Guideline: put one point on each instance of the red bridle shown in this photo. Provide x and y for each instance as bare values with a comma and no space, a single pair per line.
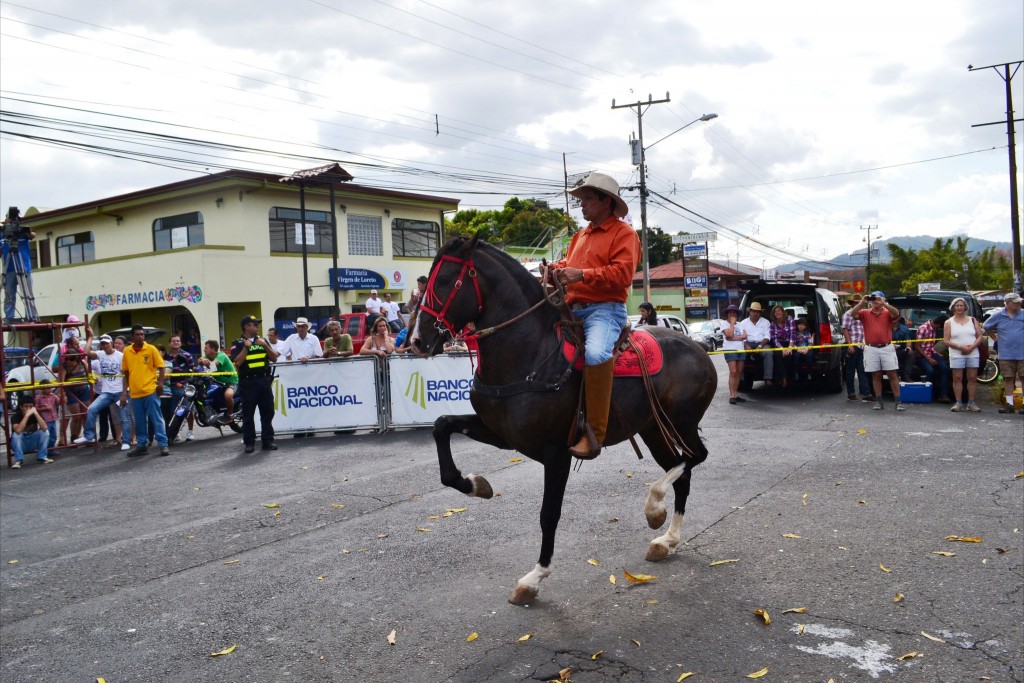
430,296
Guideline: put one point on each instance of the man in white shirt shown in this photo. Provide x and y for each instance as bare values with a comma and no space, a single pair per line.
279,345
758,331
110,391
302,345
373,307
390,310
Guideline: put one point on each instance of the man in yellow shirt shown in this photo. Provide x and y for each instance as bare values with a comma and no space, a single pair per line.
144,370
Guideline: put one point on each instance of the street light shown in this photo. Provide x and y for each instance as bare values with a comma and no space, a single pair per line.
639,151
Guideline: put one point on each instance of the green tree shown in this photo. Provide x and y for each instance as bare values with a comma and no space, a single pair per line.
521,222
660,249
947,262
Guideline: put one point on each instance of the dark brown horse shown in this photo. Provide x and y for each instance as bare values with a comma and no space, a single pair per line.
526,399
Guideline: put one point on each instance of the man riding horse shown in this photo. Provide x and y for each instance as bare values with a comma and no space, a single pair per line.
597,273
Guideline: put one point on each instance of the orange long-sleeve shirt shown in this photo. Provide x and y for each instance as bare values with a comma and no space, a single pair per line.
608,255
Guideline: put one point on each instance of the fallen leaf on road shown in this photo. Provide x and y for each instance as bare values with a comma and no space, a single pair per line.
718,562
758,674
884,568
790,536
472,636
345,551
277,514
523,639
392,637
516,460
897,598
931,637
943,553
764,615
804,499
225,651
232,561
909,655
964,539
638,578
1019,475
860,432
635,642
271,505
629,475
423,529
453,510
683,677
594,562
433,517
795,610
652,602
596,654
337,506
611,579
861,502
564,674
800,630
13,561
382,535
321,578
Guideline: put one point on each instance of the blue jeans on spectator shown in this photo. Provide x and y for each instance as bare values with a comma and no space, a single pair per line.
854,363
602,325
938,374
51,427
98,405
29,441
148,416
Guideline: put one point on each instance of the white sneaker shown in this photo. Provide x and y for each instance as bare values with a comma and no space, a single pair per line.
80,440
189,436
16,465
125,447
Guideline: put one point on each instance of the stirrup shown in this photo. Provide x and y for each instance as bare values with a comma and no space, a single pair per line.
595,448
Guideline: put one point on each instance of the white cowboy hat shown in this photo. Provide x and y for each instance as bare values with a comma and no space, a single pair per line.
607,185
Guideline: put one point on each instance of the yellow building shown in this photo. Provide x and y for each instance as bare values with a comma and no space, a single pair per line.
203,253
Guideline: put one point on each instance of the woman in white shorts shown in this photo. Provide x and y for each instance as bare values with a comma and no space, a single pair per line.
962,335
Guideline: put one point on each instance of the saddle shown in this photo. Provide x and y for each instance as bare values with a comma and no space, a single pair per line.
633,350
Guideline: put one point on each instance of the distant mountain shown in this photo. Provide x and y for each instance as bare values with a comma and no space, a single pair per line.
857,259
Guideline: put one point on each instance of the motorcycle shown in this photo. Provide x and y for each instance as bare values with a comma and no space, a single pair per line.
204,398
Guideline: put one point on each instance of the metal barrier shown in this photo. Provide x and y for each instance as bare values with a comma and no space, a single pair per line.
367,392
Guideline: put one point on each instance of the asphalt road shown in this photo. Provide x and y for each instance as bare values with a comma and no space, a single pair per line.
139,569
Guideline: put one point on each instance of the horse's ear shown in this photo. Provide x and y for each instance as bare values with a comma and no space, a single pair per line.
471,244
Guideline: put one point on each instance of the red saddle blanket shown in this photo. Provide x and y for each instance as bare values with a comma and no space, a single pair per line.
627,363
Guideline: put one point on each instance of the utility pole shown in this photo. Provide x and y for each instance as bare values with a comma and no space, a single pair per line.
1018,282
641,107
867,271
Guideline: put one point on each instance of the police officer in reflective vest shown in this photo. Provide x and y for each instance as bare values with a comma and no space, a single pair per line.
253,355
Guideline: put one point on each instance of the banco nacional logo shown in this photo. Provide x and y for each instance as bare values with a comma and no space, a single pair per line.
417,390
280,401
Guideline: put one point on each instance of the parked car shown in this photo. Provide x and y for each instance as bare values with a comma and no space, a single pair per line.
708,333
823,312
669,321
919,308
353,324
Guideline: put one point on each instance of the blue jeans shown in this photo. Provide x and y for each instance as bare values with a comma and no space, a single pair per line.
10,292
148,415
602,325
29,441
854,363
938,375
98,405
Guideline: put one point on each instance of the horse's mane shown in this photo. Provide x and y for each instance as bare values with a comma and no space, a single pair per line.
522,277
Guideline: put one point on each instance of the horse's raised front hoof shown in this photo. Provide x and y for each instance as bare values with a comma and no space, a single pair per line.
656,552
481,487
523,595
656,518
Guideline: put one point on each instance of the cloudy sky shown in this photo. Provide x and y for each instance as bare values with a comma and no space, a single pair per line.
831,115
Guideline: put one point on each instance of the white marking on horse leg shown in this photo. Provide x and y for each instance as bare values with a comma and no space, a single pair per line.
665,544
481,487
528,587
654,508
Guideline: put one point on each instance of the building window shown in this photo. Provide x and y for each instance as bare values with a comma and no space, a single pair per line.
365,237
77,248
286,235
414,238
178,232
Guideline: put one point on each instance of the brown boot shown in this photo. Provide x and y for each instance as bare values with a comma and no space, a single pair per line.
597,385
